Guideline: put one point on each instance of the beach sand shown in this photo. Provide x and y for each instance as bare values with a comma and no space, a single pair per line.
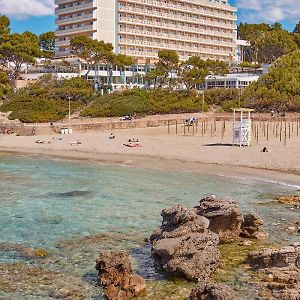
160,149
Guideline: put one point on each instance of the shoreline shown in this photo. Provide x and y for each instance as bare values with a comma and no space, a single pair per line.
271,175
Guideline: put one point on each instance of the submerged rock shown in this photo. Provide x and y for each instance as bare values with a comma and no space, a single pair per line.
24,251
212,291
34,282
184,245
70,194
224,215
279,270
291,199
250,227
116,276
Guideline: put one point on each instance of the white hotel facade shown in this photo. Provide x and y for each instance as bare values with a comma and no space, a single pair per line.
140,28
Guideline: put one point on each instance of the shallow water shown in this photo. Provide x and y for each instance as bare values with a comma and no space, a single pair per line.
73,210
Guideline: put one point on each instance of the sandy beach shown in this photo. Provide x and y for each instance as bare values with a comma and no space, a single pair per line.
159,149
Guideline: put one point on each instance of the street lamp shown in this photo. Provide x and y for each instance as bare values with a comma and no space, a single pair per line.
69,108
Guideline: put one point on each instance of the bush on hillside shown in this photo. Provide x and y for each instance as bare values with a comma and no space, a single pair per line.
142,102
48,99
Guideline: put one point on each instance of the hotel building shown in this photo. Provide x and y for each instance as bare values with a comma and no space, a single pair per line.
140,28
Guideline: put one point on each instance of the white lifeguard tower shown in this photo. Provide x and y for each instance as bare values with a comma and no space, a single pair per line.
242,126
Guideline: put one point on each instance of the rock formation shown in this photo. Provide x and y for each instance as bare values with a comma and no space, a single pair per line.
279,270
291,199
184,245
250,227
224,215
212,291
116,276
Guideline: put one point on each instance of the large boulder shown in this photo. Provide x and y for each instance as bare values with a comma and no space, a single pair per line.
250,227
184,245
212,291
116,276
224,215
279,270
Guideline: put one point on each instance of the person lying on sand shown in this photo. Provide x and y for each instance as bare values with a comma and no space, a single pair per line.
75,143
132,145
42,142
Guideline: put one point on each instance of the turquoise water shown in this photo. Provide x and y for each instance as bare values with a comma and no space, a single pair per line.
114,207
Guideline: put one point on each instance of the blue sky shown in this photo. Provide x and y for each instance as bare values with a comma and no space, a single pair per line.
37,15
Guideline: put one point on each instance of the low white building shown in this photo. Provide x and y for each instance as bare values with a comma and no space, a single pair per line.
237,80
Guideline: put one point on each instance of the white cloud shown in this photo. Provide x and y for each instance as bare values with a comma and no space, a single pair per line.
26,8
269,10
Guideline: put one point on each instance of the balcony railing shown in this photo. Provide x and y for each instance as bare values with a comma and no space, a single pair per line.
90,17
176,47
186,6
76,30
74,8
58,2
170,26
202,12
176,37
178,17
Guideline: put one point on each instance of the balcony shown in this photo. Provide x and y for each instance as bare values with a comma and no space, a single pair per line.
75,30
87,17
177,13
75,8
177,28
194,50
62,43
176,17
176,37
58,2
195,8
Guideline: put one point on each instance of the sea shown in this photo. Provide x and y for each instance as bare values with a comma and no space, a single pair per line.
56,216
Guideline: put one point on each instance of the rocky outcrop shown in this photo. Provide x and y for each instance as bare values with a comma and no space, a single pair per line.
116,276
212,291
250,227
274,258
291,199
184,245
279,270
224,215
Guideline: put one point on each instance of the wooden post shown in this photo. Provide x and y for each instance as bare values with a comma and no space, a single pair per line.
184,128
267,131
168,126
176,126
193,128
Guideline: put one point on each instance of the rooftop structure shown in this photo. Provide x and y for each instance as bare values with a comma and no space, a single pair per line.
140,28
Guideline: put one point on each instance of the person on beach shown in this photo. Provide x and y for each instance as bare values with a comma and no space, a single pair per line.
111,136
264,149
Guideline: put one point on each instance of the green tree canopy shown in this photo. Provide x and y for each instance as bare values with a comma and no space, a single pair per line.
47,44
92,51
4,26
267,42
194,70
280,88
168,62
19,49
